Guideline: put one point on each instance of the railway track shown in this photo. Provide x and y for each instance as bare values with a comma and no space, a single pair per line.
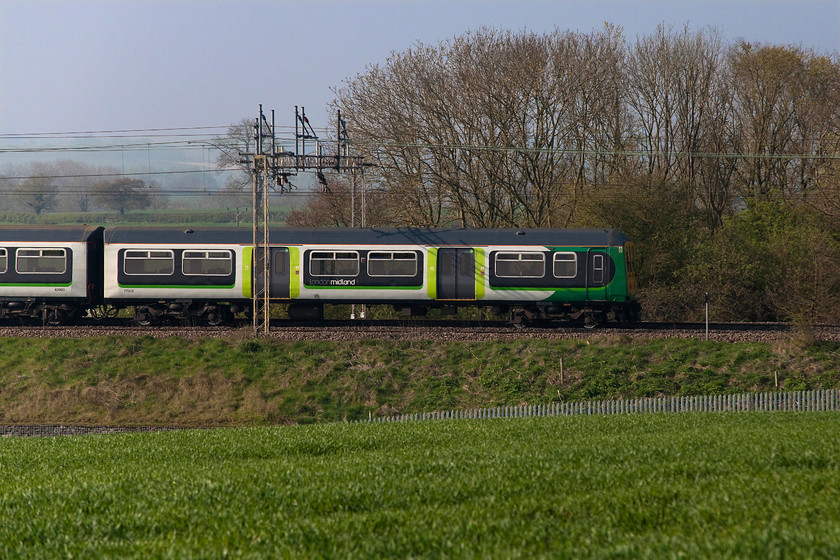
340,330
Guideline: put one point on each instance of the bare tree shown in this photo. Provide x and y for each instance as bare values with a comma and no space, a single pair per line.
593,115
238,140
682,114
499,128
333,206
9,182
817,118
74,181
124,194
766,84
490,128
38,193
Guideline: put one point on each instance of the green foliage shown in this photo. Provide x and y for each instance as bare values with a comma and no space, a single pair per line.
692,485
663,226
768,263
21,217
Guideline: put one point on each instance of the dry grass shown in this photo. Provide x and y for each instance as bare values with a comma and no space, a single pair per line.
143,381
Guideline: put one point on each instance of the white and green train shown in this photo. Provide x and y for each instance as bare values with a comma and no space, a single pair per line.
533,273
208,273
51,273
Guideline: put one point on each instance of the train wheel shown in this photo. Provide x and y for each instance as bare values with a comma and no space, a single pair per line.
142,318
591,320
218,316
52,317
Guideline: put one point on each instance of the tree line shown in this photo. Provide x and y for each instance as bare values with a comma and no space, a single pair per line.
75,187
719,159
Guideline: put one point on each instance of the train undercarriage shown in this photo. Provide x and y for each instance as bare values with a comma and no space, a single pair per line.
46,311
190,312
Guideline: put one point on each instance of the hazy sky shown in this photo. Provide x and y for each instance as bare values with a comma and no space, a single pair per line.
88,65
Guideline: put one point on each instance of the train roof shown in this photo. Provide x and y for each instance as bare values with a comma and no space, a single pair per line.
372,236
70,234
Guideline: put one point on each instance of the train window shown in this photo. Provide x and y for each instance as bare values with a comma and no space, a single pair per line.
565,265
155,263
520,265
3,261
598,269
207,263
334,263
41,261
392,264
446,263
467,265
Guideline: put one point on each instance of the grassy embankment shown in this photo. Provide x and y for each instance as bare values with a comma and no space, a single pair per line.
748,485
213,382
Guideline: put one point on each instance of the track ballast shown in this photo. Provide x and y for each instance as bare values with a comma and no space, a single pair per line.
446,330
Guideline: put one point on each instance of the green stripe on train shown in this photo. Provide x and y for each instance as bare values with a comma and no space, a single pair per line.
480,272
350,287
294,278
431,273
176,286
247,260
29,285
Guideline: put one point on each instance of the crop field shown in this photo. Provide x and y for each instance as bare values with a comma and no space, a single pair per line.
692,485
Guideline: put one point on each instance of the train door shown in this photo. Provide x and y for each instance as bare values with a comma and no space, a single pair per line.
456,274
278,272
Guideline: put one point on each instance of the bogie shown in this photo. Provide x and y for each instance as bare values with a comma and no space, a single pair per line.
184,313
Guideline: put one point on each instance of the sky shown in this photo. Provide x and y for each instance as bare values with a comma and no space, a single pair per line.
103,65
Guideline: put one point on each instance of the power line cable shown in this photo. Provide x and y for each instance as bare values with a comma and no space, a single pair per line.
117,174
134,133
597,152
114,131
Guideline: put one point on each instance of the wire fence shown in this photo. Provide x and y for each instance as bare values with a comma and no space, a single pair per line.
819,400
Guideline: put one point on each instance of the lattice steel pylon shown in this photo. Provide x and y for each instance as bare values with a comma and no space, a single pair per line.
276,165
260,292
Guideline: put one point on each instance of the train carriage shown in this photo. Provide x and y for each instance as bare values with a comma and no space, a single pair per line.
53,273
534,274
208,273
186,273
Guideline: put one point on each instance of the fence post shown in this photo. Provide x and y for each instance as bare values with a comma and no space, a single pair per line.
814,400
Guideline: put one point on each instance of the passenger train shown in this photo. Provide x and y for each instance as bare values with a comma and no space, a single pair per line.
58,274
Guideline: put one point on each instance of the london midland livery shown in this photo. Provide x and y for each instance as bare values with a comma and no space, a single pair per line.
208,273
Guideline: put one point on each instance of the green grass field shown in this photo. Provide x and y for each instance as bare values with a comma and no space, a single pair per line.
746,485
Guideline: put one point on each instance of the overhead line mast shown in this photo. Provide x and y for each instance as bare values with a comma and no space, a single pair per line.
269,163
